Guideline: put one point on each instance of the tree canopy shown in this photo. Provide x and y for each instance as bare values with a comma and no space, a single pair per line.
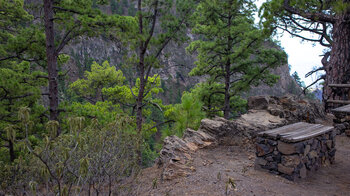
233,51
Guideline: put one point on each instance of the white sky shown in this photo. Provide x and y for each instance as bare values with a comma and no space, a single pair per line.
302,55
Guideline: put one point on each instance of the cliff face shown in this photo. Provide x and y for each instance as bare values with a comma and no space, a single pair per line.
176,63
174,73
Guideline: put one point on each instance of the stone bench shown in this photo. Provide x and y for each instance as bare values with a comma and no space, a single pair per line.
342,118
296,150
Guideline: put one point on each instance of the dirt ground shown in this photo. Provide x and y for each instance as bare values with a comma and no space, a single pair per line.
218,169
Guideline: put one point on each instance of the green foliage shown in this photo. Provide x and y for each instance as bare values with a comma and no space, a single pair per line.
231,50
213,101
298,80
108,95
19,87
19,38
188,114
89,154
100,76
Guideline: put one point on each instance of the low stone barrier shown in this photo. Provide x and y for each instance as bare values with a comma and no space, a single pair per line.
342,119
295,151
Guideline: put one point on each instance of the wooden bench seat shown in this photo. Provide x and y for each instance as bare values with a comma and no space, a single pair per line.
344,109
295,150
296,132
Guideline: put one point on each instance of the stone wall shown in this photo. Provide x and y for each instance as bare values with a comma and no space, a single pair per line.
295,160
342,123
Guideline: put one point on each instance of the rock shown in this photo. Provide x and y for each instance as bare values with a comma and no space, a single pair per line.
285,170
272,142
199,138
291,161
287,148
313,154
258,102
260,140
260,161
176,155
262,149
331,153
269,158
315,144
329,144
289,107
277,156
303,171
271,166
261,120
213,127
340,127
307,150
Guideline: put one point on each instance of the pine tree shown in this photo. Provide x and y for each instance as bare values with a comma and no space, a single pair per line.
159,23
72,19
231,49
21,52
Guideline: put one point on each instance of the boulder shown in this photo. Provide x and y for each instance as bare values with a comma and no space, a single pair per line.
258,102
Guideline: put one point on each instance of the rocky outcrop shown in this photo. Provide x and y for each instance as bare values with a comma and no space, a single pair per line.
176,156
289,107
265,112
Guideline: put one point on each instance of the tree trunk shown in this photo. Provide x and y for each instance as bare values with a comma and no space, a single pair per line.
228,74
51,60
12,151
227,91
338,67
139,116
139,100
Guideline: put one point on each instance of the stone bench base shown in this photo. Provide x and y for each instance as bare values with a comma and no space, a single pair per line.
295,160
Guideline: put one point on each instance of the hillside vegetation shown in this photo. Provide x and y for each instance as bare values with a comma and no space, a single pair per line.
90,88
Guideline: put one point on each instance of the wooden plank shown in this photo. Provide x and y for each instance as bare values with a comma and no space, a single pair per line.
275,132
338,101
343,109
301,132
296,132
306,131
339,85
287,131
282,128
311,135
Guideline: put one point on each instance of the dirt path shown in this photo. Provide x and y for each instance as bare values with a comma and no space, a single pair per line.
215,167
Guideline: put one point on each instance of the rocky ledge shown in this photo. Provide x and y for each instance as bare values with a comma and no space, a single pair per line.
176,156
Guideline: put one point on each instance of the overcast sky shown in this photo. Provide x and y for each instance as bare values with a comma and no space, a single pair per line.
302,56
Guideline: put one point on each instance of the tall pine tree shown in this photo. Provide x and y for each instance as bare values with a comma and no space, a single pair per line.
231,49
67,20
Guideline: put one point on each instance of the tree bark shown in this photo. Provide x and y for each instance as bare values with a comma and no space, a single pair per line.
338,67
228,74
139,100
12,151
51,60
227,91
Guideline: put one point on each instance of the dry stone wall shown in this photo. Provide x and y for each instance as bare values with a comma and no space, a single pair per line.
295,160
